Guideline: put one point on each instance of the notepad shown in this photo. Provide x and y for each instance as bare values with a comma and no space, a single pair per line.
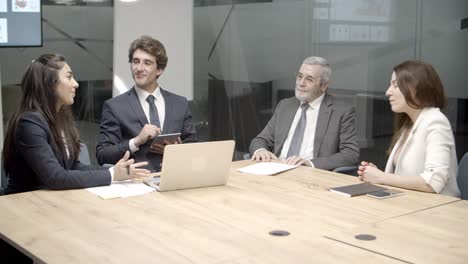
356,189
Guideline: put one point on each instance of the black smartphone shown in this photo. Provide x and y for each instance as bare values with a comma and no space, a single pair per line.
385,194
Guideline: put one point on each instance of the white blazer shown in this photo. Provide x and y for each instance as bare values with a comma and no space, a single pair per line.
429,152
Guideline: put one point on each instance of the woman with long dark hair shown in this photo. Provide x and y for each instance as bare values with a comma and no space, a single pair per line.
42,144
422,153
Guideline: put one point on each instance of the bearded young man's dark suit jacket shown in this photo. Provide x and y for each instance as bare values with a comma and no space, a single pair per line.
123,118
335,142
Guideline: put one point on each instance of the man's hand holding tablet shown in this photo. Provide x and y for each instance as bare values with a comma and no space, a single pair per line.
162,140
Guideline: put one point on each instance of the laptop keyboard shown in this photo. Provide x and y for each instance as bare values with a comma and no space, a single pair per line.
157,180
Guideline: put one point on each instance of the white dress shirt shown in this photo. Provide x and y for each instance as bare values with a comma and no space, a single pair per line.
307,146
158,101
160,105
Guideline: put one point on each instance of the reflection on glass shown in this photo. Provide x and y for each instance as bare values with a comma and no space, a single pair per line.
355,20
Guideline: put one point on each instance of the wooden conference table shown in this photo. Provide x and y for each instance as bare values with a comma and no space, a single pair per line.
231,224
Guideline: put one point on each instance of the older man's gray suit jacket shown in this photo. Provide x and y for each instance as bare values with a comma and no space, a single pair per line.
335,143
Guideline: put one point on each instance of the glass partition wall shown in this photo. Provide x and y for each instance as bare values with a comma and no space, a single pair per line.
82,31
247,54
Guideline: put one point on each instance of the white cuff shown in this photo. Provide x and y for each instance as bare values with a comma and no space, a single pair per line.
133,147
437,178
111,170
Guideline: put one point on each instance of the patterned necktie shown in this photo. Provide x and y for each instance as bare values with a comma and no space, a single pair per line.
153,111
296,142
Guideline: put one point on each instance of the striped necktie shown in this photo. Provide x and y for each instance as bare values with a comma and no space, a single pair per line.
153,111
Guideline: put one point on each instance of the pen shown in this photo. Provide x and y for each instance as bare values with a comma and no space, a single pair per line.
128,170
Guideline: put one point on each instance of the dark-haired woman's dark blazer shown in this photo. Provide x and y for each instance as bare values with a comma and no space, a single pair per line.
37,166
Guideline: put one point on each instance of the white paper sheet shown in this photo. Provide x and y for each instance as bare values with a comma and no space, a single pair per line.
266,168
121,189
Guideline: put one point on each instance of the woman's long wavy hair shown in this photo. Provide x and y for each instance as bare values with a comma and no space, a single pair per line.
421,86
39,94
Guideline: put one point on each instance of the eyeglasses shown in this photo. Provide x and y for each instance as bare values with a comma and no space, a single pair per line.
308,79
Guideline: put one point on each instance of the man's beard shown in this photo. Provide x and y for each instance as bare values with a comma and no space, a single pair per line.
306,97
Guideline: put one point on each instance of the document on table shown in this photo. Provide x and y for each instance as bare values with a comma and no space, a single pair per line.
121,189
267,168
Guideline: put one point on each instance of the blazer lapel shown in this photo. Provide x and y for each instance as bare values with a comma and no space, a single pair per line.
323,118
389,167
135,105
63,159
68,162
169,108
410,136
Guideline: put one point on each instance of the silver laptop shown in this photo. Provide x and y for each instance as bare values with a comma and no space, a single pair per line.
194,165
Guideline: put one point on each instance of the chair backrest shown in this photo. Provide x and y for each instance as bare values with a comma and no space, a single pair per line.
348,170
84,154
462,179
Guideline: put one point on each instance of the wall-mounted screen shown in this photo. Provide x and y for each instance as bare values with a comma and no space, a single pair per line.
20,23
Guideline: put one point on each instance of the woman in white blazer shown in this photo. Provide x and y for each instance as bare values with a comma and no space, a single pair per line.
422,153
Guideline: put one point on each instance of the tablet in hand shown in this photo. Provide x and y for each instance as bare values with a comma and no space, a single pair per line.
163,137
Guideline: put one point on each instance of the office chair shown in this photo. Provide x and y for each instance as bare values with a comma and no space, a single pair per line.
84,154
85,158
462,179
348,170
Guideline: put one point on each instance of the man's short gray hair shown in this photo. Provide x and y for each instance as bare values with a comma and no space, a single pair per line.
326,69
